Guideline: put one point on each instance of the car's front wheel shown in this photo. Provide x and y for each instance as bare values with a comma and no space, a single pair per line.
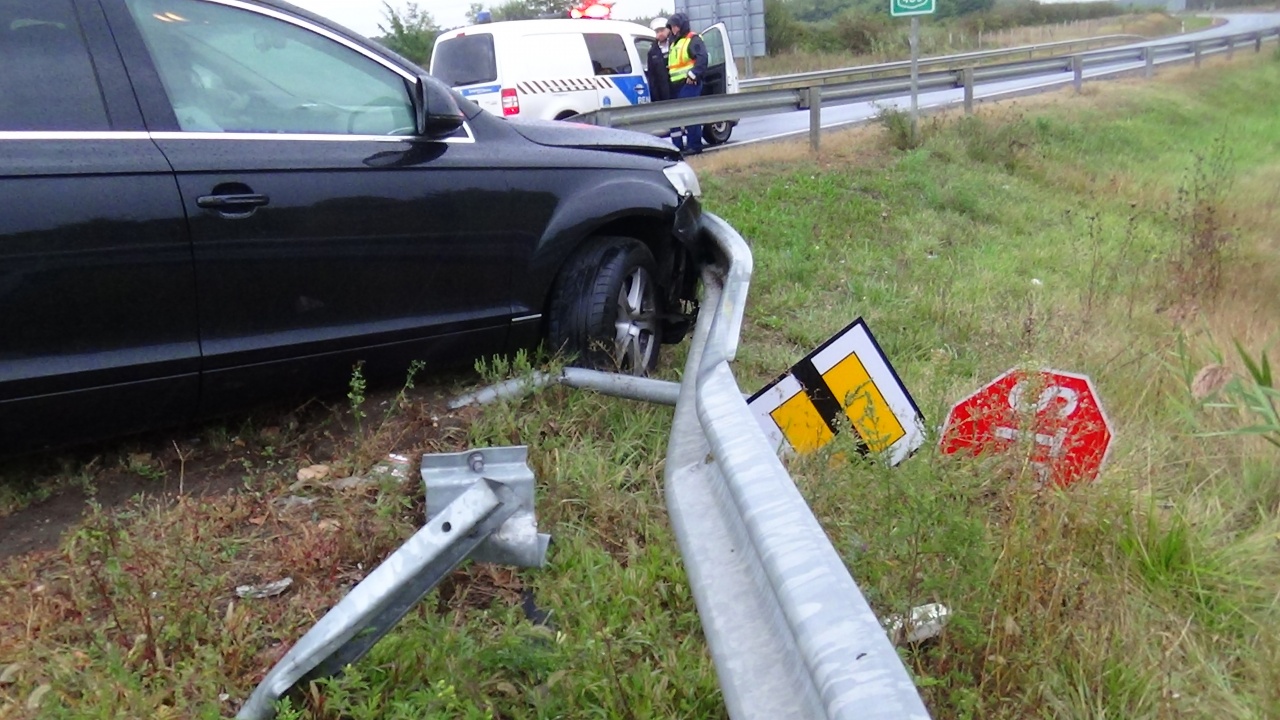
606,310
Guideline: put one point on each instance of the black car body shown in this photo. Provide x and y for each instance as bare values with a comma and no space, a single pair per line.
195,218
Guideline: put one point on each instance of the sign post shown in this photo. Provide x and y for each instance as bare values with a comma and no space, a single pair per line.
914,9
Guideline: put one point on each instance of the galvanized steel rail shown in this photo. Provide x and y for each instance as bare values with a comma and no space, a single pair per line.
808,79
781,94
480,505
790,632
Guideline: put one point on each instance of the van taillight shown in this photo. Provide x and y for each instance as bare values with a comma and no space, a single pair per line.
510,102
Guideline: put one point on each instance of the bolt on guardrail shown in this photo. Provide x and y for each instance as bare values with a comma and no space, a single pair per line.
479,505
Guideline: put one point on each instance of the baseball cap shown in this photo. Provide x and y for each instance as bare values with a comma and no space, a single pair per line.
658,23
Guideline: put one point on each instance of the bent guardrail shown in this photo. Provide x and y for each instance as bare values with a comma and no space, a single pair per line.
790,632
778,95
479,505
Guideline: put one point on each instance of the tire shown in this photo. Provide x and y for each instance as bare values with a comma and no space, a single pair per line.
717,133
566,115
606,309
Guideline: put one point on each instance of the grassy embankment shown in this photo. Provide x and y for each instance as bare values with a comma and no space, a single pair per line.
1128,233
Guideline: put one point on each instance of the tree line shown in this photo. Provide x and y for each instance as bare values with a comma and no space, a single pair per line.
412,32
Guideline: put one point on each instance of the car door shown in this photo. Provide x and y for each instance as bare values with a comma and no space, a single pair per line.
722,71
642,45
97,292
323,233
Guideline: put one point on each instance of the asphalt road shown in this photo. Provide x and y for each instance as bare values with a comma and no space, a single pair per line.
770,127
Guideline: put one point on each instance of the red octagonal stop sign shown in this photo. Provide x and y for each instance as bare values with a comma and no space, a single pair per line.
1056,416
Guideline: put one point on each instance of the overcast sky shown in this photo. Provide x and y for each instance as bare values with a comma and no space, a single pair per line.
364,16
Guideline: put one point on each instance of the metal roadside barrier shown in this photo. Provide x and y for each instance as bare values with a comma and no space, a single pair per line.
806,79
792,92
791,635
479,505
790,632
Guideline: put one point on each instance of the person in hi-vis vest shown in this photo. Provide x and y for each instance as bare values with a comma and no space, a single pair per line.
686,62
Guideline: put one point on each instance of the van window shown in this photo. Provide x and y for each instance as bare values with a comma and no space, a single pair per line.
715,47
643,44
608,54
465,60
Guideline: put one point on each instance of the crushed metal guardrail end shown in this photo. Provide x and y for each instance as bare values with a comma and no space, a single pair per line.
480,505
446,476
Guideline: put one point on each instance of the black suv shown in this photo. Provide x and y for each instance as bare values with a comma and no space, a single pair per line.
206,203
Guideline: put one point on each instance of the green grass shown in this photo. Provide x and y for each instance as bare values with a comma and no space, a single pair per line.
1151,593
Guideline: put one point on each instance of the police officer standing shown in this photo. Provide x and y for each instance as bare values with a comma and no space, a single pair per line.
686,63
658,74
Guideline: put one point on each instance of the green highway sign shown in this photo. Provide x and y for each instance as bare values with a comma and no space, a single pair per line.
905,8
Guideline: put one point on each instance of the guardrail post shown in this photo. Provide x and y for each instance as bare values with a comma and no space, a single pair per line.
1257,42
967,74
1077,72
1149,62
814,98
1195,48
1231,47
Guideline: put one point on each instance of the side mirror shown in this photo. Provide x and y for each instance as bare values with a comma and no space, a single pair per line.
438,114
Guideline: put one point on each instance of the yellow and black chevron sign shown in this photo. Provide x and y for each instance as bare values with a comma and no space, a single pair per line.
847,382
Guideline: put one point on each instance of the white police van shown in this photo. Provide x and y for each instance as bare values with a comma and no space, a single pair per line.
555,69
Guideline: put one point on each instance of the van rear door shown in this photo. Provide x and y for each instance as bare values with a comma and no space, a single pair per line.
468,62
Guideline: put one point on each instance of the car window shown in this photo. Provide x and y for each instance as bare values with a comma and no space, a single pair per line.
232,70
642,46
465,60
608,54
47,81
714,41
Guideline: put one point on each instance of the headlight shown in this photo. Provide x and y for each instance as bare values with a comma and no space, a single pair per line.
683,179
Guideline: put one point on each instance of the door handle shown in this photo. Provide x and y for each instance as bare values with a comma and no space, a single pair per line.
232,202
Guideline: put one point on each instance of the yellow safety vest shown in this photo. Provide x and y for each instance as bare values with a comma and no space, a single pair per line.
680,62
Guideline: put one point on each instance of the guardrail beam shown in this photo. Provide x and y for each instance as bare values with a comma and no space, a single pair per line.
791,634
716,108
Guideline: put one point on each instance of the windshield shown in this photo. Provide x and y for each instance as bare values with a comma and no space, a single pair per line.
465,60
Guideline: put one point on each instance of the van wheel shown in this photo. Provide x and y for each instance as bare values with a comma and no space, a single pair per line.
717,133
605,308
567,115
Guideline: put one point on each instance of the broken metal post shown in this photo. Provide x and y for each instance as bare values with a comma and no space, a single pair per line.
448,476
482,515
661,392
